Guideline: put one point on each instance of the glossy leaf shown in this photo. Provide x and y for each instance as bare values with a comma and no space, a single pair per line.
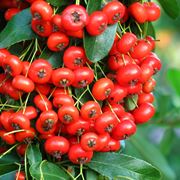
173,76
151,30
152,154
47,171
58,2
167,141
5,168
97,47
114,165
93,5
170,7
33,154
90,174
10,158
18,29
8,176
131,102
55,58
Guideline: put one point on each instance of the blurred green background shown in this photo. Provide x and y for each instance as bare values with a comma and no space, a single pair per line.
158,141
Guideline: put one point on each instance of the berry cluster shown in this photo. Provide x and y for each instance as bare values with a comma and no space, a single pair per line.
72,22
146,12
50,110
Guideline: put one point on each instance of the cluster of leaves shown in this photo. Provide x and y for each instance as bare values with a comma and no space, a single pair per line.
106,165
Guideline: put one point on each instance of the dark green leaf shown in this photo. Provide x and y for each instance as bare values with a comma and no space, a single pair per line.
91,175
82,95
97,47
47,171
18,29
94,5
58,2
8,176
10,158
151,30
34,154
152,154
173,76
55,58
122,166
5,168
131,102
167,141
16,49
170,7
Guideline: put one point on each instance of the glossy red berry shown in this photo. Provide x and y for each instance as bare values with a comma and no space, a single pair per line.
115,11
123,130
102,88
42,102
153,11
143,113
62,99
89,141
19,121
56,146
97,23
10,13
74,57
117,94
106,122
41,10
129,74
83,77
138,12
74,18
62,77
91,110
78,127
40,71
57,41
41,27
68,114
23,83
126,42
79,156
12,65
20,175
57,23
141,49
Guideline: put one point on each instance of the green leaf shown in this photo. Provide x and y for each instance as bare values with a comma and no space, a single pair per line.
152,154
34,154
5,168
98,47
94,5
173,76
151,30
90,174
58,2
122,166
82,94
10,158
131,102
18,29
55,58
167,141
47,171
170,7
8,176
